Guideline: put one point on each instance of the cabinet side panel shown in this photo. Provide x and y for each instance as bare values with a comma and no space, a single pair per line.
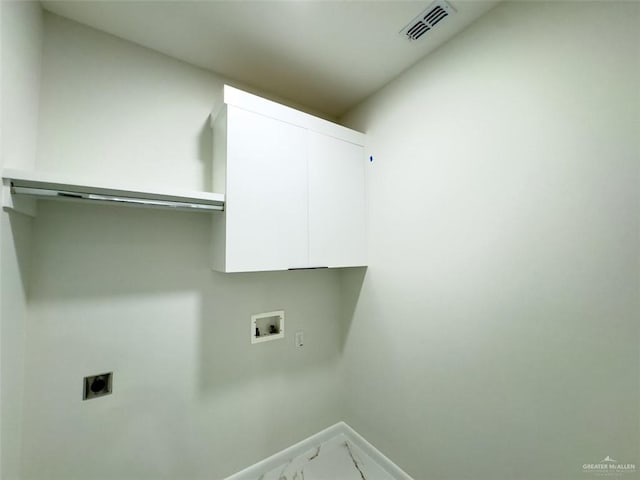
220,152
219,180
266,197
337,202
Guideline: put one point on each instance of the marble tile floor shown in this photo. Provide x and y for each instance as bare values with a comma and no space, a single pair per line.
336,459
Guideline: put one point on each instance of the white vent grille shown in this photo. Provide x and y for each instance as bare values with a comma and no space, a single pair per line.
428,19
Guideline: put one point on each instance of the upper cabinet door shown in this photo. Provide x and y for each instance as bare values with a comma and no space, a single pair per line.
266,193
337,202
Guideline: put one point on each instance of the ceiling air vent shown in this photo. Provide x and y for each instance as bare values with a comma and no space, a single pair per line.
429,18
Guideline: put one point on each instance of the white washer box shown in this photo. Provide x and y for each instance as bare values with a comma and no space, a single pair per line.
267,326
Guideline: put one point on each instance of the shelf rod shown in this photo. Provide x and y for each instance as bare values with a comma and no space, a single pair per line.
61,194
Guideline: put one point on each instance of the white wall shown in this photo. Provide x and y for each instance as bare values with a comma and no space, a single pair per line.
21,58
21,65
497,330
496,333
130,290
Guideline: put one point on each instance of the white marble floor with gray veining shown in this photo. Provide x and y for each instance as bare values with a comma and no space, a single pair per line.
336,459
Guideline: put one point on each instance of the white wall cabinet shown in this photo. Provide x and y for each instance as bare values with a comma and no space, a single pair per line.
294,187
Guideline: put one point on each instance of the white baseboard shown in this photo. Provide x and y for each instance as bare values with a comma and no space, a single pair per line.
283,456
339,429
376,455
